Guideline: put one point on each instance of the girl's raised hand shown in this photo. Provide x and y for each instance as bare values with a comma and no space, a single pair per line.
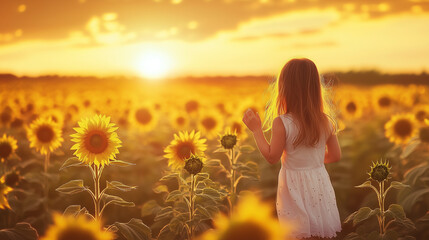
252,120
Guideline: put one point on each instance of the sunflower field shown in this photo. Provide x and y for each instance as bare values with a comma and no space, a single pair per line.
106,159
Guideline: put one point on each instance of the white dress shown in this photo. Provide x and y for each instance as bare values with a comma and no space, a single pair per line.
305,195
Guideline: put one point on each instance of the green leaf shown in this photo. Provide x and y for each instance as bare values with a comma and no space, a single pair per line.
398,185
174,195
119,186
72,162
173,176
77,210
21,231
72,187
365,184
164,213
247,149
396,211
135,229
363,214
177,223
160,189
201,176
412,198
212,163
120,163
202,210
220,150
112,199
150,207
390,235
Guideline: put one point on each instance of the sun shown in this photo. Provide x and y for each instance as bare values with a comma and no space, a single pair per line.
154,65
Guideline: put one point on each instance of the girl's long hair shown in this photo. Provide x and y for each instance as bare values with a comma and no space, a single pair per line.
298,90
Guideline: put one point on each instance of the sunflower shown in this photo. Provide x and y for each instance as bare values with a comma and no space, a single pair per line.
236,125
210,124
380,171
400,128
179,120
192,106
7,147
96,140
229,139
44,135
145,118
182,147
56,115
383,99
4,190
421,113
351,108
246,223
71,228
6,116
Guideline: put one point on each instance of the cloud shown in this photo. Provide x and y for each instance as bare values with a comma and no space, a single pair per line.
285,25
153,20
106,29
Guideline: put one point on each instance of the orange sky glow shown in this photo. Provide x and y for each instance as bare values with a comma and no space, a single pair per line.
174,38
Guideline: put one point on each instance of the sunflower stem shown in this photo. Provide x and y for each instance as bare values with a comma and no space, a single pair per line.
381,205
97,174
191,212
46,165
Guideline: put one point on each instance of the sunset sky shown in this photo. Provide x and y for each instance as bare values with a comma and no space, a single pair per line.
168,38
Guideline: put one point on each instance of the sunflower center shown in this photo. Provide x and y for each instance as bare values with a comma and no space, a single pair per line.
184,150
180,121
380,173
73,233
191,106
245,230
143,116
421,115
351,107
5,150
45,134
193,165
384,101
209,123
403,128
228,141
96,141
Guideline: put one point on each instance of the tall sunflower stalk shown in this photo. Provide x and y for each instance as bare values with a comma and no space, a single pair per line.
193,165
197,197
96,146
45,136
380,172
237,170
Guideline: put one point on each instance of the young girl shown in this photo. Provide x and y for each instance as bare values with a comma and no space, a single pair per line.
300,130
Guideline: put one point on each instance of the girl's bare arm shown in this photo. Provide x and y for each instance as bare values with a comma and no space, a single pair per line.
334,151
271,152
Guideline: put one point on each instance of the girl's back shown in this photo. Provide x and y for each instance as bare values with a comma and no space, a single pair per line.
302,156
